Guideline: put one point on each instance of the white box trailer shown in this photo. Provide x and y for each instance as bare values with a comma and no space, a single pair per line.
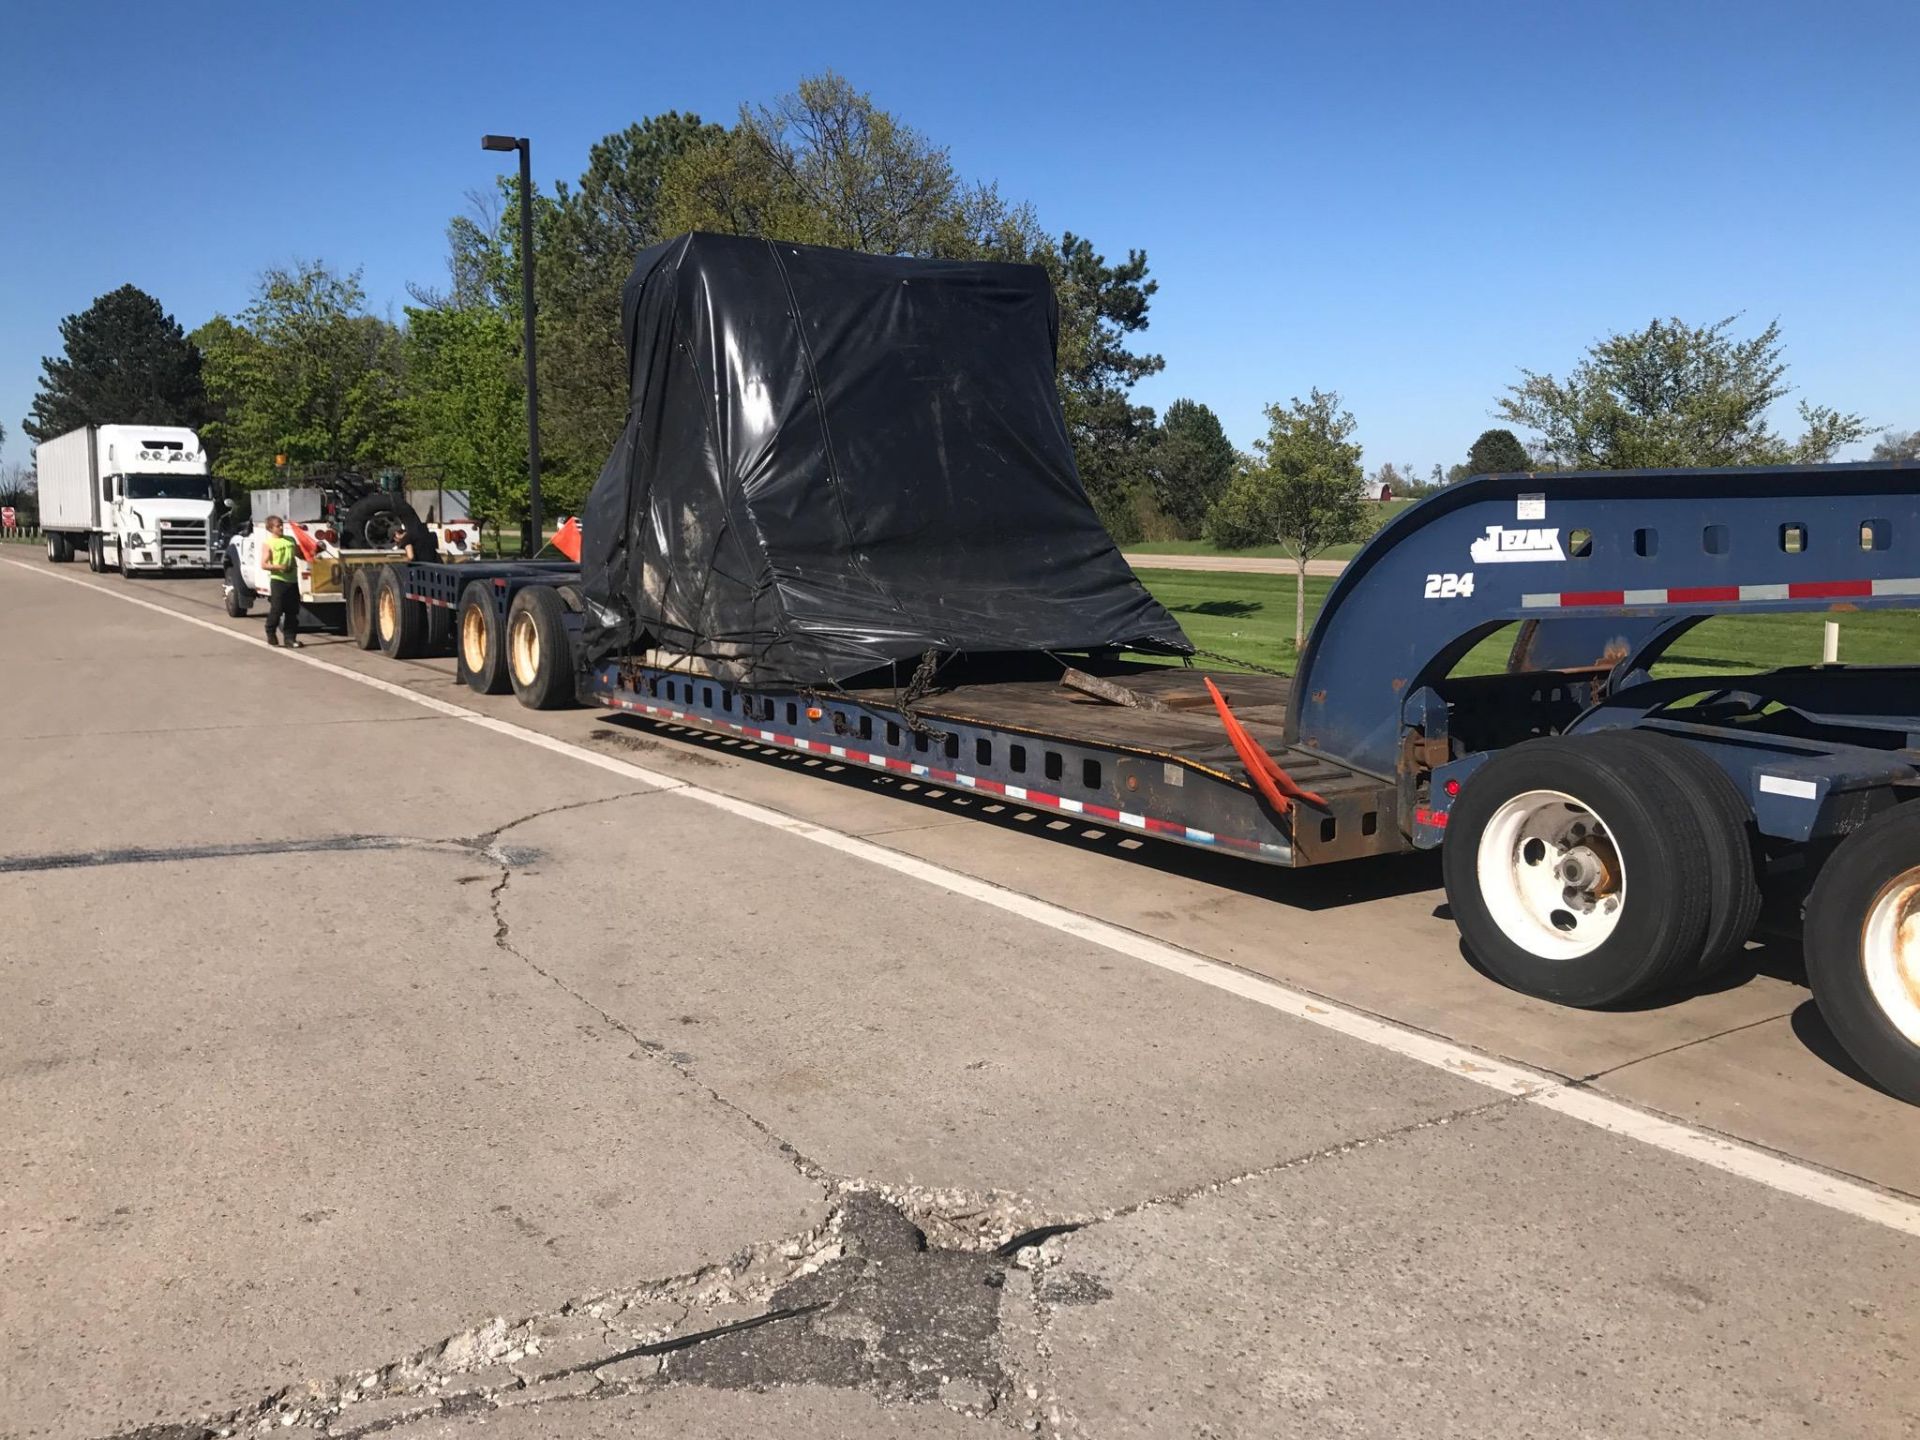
133,497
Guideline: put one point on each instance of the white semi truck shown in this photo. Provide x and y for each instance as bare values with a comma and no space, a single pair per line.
136,498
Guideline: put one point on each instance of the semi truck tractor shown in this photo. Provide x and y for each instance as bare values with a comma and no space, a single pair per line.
136,498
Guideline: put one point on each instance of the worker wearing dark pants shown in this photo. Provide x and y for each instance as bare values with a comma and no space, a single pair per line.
283,586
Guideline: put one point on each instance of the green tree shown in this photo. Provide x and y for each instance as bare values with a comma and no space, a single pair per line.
586,252
125,361
466,405
1674,394
827,166
1302,490
824,165
1101,306
1497,452
1192,462
305,372
1898,445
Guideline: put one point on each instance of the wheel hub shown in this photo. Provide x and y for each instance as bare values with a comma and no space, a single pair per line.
524,649
473,639
1551,875
1890,952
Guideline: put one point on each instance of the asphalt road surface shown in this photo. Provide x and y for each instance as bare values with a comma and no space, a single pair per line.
378,1057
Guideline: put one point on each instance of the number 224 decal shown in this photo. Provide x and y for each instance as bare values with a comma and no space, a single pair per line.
1449,587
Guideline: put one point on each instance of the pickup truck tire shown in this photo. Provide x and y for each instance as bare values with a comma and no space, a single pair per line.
238,597
1862,940
360,608
539,649
1577,873
1732,840
402,623
483,650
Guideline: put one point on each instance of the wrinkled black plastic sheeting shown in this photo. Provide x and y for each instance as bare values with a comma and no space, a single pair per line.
836,462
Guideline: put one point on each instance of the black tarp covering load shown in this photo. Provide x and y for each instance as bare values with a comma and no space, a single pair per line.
835,461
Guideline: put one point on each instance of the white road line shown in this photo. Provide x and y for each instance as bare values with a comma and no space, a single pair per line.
1535,1087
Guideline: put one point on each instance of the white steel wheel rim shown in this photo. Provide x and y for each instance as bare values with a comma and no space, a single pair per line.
473,639
1890,951
1550,875
525,649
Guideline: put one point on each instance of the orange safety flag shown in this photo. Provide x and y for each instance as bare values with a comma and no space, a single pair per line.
308,547
567,539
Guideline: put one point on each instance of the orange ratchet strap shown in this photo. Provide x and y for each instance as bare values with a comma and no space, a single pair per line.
1268,778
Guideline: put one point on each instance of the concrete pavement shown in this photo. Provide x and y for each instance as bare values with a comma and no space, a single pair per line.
339,1028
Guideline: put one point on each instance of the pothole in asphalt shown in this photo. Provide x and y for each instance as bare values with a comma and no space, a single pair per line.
864,1302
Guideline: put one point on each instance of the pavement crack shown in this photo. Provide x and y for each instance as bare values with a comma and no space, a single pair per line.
486,840
1324,1153
644,1048
158,855
1587,1080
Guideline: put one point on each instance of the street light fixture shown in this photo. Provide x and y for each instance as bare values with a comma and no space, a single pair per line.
525,147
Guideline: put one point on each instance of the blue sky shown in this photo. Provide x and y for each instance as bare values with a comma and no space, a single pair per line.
1403,202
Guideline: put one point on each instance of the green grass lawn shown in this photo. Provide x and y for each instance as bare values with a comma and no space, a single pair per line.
1251,618
1381,514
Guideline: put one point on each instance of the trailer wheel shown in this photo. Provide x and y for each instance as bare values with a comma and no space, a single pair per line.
361,625
1862,938
483,651
1576,875
539,650
1732,840
402,623
59,548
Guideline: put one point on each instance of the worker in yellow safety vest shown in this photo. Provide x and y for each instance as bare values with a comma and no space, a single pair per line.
278,558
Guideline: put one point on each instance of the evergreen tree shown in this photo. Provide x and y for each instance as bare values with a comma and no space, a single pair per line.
126,362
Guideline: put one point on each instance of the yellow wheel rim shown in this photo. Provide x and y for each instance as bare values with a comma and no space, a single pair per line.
523,649
473,639
389,615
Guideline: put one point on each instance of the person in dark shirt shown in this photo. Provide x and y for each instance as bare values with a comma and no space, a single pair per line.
416,540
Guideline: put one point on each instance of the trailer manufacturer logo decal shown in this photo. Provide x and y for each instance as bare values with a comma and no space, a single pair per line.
1506,545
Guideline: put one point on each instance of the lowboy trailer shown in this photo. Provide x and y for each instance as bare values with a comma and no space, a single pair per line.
1606,834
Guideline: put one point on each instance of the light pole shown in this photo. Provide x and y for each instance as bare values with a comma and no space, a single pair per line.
525,147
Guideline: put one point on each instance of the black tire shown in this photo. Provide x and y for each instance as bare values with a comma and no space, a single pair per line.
1658,847
482,646
96,554
59,549
402,623
1876,870
360,608
1727,826
238,597
372,521
539,649
126,570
